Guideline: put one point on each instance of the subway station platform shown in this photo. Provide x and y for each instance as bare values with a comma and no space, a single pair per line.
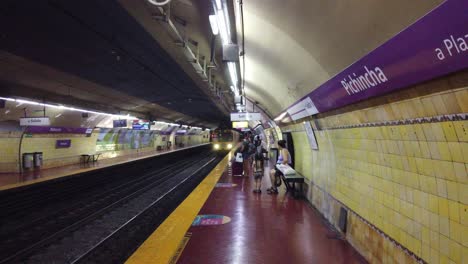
223,221
13,180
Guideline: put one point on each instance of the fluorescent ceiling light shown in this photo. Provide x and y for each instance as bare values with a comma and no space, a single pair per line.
21,101
233,73
222,27
218,4
280,116
214,24
228,29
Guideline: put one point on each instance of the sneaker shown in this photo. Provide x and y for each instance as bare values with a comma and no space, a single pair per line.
272,191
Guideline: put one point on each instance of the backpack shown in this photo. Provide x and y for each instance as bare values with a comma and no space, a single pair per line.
245,147
251,148
259,152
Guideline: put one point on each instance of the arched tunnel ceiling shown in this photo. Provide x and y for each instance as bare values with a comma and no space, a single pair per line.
294,46
100,42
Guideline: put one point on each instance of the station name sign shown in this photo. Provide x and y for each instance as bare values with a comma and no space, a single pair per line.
34,121
57,130
246,117
435,45
63,143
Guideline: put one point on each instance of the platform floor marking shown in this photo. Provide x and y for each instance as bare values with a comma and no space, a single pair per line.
181,248
161,246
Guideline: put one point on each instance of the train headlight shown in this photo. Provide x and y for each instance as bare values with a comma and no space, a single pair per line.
216,146
229,146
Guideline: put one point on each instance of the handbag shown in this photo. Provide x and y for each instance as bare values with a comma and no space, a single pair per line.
239,157
286,169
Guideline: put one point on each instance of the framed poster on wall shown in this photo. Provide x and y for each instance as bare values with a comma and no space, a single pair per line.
311,135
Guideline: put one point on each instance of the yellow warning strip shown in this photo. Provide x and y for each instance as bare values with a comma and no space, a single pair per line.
162,245
181,248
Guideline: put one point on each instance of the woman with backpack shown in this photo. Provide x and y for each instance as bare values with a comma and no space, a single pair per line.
245,150
258,166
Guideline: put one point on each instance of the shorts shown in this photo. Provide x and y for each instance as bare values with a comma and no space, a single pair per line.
258,175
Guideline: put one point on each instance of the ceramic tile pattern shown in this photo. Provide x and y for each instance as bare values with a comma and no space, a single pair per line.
409,180
80,144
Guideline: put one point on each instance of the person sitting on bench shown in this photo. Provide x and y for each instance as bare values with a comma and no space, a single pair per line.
284,158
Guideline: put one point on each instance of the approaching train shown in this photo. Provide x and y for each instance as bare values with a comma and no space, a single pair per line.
224,139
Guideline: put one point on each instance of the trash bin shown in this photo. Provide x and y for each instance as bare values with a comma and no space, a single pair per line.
37,159
27,160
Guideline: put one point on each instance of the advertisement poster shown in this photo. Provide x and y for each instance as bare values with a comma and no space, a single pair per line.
141,125
120,123
112,139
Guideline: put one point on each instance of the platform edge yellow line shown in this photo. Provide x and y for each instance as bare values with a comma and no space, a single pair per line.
162,244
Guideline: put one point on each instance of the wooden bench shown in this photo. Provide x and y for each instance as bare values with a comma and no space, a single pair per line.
290,183
86,158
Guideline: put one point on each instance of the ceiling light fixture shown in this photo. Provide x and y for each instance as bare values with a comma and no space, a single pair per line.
223,28
218,4
21,101
280,116
233,73
214,24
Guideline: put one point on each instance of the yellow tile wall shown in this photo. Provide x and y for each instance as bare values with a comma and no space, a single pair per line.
53,157
9,143
410,181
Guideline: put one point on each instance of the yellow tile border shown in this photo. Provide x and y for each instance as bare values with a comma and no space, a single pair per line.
163,243
82,170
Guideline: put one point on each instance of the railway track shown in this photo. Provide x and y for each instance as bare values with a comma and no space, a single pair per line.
90,227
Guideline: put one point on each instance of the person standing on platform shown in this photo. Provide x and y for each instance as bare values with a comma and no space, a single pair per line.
284,158
258,165
245,155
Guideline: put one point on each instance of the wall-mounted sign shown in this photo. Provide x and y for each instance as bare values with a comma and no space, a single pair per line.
63,143
57,130
141,124
120,123
246,117
425,50
302,109
34,121
241,124
311,135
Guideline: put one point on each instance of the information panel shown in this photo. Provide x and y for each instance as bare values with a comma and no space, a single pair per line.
246,116
311,135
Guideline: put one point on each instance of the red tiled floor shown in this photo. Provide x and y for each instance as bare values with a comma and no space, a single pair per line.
44,174
263,229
